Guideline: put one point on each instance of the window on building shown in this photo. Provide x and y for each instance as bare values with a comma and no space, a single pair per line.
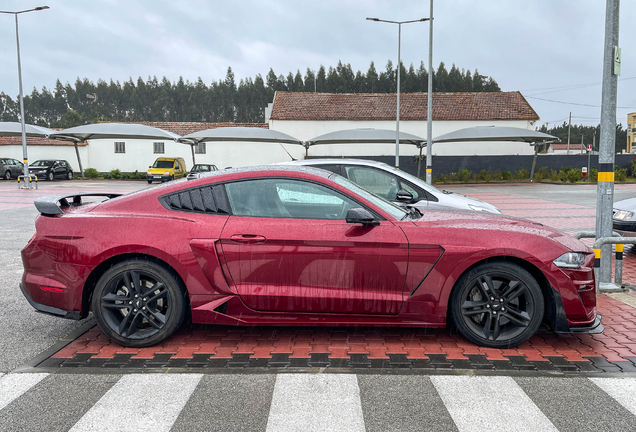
158,148
200,148
120,147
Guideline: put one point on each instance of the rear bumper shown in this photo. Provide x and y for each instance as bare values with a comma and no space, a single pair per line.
50,310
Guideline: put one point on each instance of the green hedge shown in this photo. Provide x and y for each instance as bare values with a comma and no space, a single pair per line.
564,175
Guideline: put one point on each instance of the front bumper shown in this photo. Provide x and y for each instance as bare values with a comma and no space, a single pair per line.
158,177
50,310
624,228
593,328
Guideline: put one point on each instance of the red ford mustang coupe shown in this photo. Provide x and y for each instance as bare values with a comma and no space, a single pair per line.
300,246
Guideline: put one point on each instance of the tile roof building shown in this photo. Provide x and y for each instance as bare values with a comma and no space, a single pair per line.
307,115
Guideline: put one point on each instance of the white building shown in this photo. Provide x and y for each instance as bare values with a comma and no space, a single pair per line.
305,116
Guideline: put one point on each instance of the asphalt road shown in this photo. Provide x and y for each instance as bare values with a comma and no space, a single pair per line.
314,402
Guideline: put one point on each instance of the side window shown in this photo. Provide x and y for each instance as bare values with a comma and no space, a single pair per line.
176,164
379,182
417,193
287,198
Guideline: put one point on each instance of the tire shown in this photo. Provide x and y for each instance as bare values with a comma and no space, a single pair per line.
69,175
7,175
139,317
149,181
497,305
50,176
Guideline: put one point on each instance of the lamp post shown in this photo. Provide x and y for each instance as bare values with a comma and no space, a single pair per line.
25,159
397,117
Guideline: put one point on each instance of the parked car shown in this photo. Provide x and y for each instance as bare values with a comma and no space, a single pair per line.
396,185
11,168
50,169
624,217
199,169
280,245
166,169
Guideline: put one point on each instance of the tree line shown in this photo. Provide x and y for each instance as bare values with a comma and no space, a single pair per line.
586,135
222,101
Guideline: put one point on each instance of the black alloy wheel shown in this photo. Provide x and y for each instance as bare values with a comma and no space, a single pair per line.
50,176
69,175
497,305
7,175
139,303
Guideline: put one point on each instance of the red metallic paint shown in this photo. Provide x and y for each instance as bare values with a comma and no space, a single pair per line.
399,273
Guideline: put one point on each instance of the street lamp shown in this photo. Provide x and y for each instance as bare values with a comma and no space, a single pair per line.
397,118
25,160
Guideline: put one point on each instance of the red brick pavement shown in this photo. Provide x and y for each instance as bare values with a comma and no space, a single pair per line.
616,344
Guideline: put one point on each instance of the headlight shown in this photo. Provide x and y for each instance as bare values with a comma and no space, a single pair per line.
571,260
148,172
166,173
623,215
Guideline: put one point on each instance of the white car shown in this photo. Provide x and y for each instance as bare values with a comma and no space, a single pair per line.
396,185
624,219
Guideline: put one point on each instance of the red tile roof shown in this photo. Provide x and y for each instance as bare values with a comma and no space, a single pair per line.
185,128
413,106
573,146
17,140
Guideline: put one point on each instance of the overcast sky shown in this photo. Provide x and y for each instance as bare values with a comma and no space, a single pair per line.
548,49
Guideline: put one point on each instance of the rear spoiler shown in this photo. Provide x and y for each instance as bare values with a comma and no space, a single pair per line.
51,205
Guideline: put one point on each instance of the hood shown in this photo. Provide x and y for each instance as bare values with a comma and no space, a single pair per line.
628,204
452,199
485,221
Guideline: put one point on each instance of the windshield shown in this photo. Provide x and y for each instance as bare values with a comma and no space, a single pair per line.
419,182
201,168
397,212
163,164
42,163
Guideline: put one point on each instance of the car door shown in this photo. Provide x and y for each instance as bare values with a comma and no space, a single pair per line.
17,167
288,248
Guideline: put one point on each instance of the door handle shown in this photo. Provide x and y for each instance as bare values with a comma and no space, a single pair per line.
247,238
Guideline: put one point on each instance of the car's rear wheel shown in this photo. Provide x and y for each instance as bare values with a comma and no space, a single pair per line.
7,175
497,305
69,175
51,176
139,303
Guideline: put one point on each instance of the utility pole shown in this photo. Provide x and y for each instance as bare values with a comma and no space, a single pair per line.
429,102
569,125
605,188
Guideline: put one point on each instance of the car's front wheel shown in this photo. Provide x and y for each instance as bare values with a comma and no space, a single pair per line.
51,176
139,303
497,305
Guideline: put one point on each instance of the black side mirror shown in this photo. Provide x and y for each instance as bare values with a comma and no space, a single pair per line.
360,216
404,196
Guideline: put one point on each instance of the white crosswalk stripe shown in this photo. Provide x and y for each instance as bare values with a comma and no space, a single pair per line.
489,403
621,389
12,386
140,403
313,402
323,402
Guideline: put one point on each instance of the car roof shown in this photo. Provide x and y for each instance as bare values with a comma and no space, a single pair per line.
336,161
270,168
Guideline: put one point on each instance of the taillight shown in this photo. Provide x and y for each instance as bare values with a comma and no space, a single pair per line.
51,289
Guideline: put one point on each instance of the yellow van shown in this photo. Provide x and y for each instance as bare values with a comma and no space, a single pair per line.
166,169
